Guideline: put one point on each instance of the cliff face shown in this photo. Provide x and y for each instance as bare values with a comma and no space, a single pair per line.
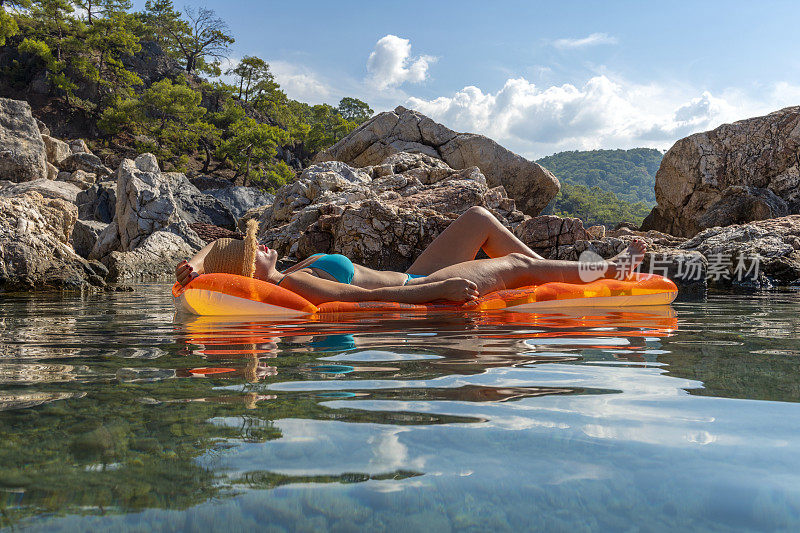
737,173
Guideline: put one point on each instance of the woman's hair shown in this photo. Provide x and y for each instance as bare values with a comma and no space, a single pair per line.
232,256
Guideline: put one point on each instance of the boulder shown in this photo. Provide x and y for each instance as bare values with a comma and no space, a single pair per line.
79,178
22,152
256,212
43,129
78,146
757,254
154,259
47,188
239,200
85,234
35,251
381,216
52,171
546,232
403,130
84,161
145,207
55,149
734,174
205,183
98,202
195,206
152,64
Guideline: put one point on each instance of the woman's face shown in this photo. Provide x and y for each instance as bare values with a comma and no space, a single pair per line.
266,259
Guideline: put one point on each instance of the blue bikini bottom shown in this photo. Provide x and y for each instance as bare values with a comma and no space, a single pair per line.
412,276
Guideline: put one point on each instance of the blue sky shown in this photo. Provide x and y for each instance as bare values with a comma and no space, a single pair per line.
539,77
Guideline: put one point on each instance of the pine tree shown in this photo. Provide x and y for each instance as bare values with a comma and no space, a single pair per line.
254,77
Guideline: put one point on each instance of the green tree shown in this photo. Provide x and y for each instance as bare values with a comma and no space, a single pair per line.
161,21
110,39
253,77
630,174
595,206
8,26
252,148
354,110
54,20
199,40
102,8
327,127
170,114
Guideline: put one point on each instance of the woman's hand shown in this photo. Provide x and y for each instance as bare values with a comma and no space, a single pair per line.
184,273
458,290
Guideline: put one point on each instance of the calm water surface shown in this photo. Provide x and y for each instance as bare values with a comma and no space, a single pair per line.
116,415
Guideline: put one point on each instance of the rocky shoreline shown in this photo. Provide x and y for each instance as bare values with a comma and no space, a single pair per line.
382,194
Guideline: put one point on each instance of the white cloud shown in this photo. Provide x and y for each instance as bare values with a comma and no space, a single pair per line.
299,82
603,113
590,40
390,64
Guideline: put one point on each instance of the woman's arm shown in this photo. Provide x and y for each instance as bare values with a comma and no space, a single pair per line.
186,271
318,290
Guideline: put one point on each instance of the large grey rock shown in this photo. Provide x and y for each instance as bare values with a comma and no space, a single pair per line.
98,202
56,149
239,200
85,234
154,259
381,216
737,173
78,146
22,152
195,206
546,232
79,178
758,254
145,206
84,161
35,251
48,188
403,130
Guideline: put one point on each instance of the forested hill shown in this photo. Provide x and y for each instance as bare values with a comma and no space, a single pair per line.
604,186
630,174
152,80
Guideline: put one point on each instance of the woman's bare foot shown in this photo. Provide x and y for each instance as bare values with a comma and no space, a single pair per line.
621,265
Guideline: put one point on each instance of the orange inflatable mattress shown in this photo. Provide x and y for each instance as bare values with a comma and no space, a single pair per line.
232,295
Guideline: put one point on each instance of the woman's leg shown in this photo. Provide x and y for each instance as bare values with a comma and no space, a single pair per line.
474,230
518,270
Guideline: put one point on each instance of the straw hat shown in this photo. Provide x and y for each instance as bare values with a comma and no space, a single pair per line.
232,256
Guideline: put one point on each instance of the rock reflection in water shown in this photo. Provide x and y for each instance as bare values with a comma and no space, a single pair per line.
309,420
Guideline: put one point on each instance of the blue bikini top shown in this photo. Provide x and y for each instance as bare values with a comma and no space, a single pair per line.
337,265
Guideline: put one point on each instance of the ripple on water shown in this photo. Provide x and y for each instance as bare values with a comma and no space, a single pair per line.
116,415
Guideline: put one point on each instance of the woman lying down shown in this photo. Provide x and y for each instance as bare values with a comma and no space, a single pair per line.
446,270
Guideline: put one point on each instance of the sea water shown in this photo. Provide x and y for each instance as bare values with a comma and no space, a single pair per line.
117,415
